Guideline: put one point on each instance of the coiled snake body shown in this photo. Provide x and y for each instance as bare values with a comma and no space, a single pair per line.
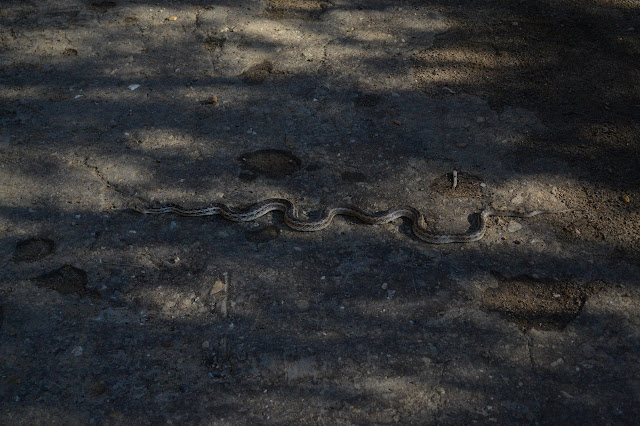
292,219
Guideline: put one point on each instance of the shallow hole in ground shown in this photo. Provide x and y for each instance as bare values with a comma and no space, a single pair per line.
539,303
272,163
33,249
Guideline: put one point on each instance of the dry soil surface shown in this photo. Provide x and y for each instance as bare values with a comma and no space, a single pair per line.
110,316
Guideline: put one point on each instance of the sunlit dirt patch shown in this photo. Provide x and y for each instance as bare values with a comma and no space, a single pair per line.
537,303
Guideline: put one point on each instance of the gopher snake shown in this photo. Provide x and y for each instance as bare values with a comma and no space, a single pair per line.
291,218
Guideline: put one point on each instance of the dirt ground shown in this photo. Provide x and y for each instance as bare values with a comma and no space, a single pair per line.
110,316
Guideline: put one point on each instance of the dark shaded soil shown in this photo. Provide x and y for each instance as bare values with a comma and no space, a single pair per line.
33,249
65,280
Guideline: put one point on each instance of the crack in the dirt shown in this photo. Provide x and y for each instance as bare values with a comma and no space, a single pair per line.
440,392
532,362
109,185
197,20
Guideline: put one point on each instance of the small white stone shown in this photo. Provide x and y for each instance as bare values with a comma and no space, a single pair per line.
514,226
518,199
133,86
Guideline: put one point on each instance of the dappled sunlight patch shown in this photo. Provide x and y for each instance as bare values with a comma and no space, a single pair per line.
171,303
149,139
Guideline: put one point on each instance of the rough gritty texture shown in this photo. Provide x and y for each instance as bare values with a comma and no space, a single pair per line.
108,316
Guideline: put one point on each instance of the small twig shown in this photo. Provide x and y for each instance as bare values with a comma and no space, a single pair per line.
223,302
455,179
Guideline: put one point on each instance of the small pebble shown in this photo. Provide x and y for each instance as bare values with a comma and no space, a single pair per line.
172,18
302,305
514,226
218,286
557,362
518,199
625,198
133,86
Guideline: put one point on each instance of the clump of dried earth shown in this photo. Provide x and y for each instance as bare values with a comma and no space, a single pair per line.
110,316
